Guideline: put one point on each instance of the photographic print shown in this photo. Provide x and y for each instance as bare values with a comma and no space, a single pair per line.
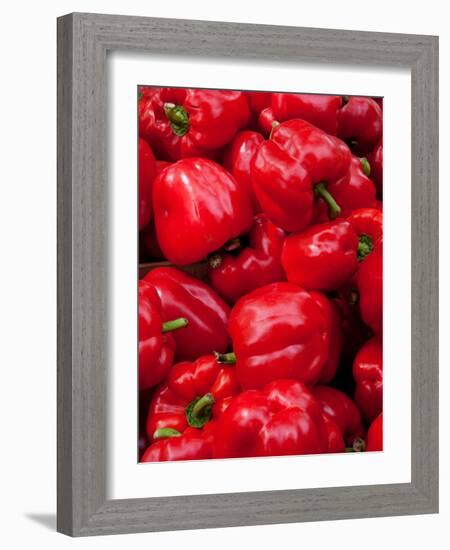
260,274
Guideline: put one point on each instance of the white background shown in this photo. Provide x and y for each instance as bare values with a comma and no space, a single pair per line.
28,274
393,465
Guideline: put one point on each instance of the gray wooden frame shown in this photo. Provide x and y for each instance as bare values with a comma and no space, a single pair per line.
83,41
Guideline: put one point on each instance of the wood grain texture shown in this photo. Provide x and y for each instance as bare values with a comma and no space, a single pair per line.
83,41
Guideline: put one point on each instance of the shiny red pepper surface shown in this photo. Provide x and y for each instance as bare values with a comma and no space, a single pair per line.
147,174
354,190
198,207
368,374
283,418
370,287
298,163
185,296
360,123
156,349
182,122
194,394
339,408
191,445
319,110
334,322
237,159
323,257
254,265
278,331
375,435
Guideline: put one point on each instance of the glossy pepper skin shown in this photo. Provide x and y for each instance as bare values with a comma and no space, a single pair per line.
375,435
294,166
368,374
339,408
360,123
198,207
319,110
368,225
156,348
238,157
254,265
191,445
369,282
185,296
335,341
182,122
354,190
278,331
323,257
194,394
281,419
266,121
147,174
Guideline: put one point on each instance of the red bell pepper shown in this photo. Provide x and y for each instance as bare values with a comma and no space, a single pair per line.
368,374
323,257
234,274
147,174
185,296
360,124
282,419
198,207
354,190
375,435
191,445
258,101
182,122
370,287
334,321
295,165
319,110
237,159
339,408
278,331
193,395
147,91
368,225
375,158
266,121
156,347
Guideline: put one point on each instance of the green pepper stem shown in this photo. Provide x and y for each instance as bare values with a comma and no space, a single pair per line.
175,324
365,164
365,247
178,118
359,445
164,433
274,124
225,358
215,261
199,408
320,190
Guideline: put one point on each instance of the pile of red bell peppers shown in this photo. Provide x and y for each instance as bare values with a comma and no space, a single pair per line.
276,199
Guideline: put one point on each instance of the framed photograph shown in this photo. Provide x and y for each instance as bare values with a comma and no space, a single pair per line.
247,274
